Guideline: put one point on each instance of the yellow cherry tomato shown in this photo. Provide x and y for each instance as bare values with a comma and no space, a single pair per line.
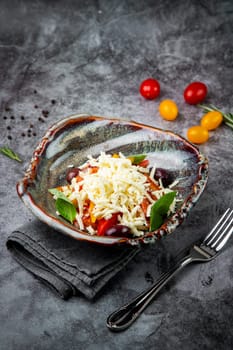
168,110
211,120
197,134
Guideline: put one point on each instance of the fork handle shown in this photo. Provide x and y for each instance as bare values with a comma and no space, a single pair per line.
123,317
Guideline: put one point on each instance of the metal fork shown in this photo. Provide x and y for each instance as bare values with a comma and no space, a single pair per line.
123,317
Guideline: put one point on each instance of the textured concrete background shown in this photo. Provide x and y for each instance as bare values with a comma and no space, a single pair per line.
69,57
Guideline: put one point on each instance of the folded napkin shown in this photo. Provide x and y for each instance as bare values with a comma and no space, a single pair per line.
68,266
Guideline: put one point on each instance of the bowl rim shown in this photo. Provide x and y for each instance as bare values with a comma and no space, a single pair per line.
151,236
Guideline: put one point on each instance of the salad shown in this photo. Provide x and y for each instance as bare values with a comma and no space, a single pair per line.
116,195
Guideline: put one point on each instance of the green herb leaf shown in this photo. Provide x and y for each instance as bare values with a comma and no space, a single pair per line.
66,209
137,158
160,209
227,117
8,152
59,194
63,205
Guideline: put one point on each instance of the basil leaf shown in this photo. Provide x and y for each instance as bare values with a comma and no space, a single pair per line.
160,209
59,194
66,209
137,158
63,205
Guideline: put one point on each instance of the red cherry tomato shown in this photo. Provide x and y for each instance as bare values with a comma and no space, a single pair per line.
150,89
104,225
195,93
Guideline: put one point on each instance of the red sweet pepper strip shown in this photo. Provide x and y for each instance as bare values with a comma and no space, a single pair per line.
144,163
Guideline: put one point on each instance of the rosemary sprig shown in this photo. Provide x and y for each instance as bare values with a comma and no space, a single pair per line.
8,152
227,117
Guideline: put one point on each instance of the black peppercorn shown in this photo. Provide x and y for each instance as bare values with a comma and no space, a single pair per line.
45,113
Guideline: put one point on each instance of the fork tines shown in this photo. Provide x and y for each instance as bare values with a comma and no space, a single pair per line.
221,232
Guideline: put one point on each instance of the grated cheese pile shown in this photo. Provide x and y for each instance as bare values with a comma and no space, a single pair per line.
117,186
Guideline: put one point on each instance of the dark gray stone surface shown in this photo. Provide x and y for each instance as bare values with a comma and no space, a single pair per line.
90,56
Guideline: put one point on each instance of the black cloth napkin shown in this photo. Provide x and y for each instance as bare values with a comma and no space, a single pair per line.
66,265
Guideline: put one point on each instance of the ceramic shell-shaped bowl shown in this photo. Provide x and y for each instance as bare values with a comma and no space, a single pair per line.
71,140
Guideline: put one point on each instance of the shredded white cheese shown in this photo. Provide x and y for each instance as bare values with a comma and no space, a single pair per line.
117,186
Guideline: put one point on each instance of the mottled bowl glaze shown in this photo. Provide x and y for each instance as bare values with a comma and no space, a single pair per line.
72,139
